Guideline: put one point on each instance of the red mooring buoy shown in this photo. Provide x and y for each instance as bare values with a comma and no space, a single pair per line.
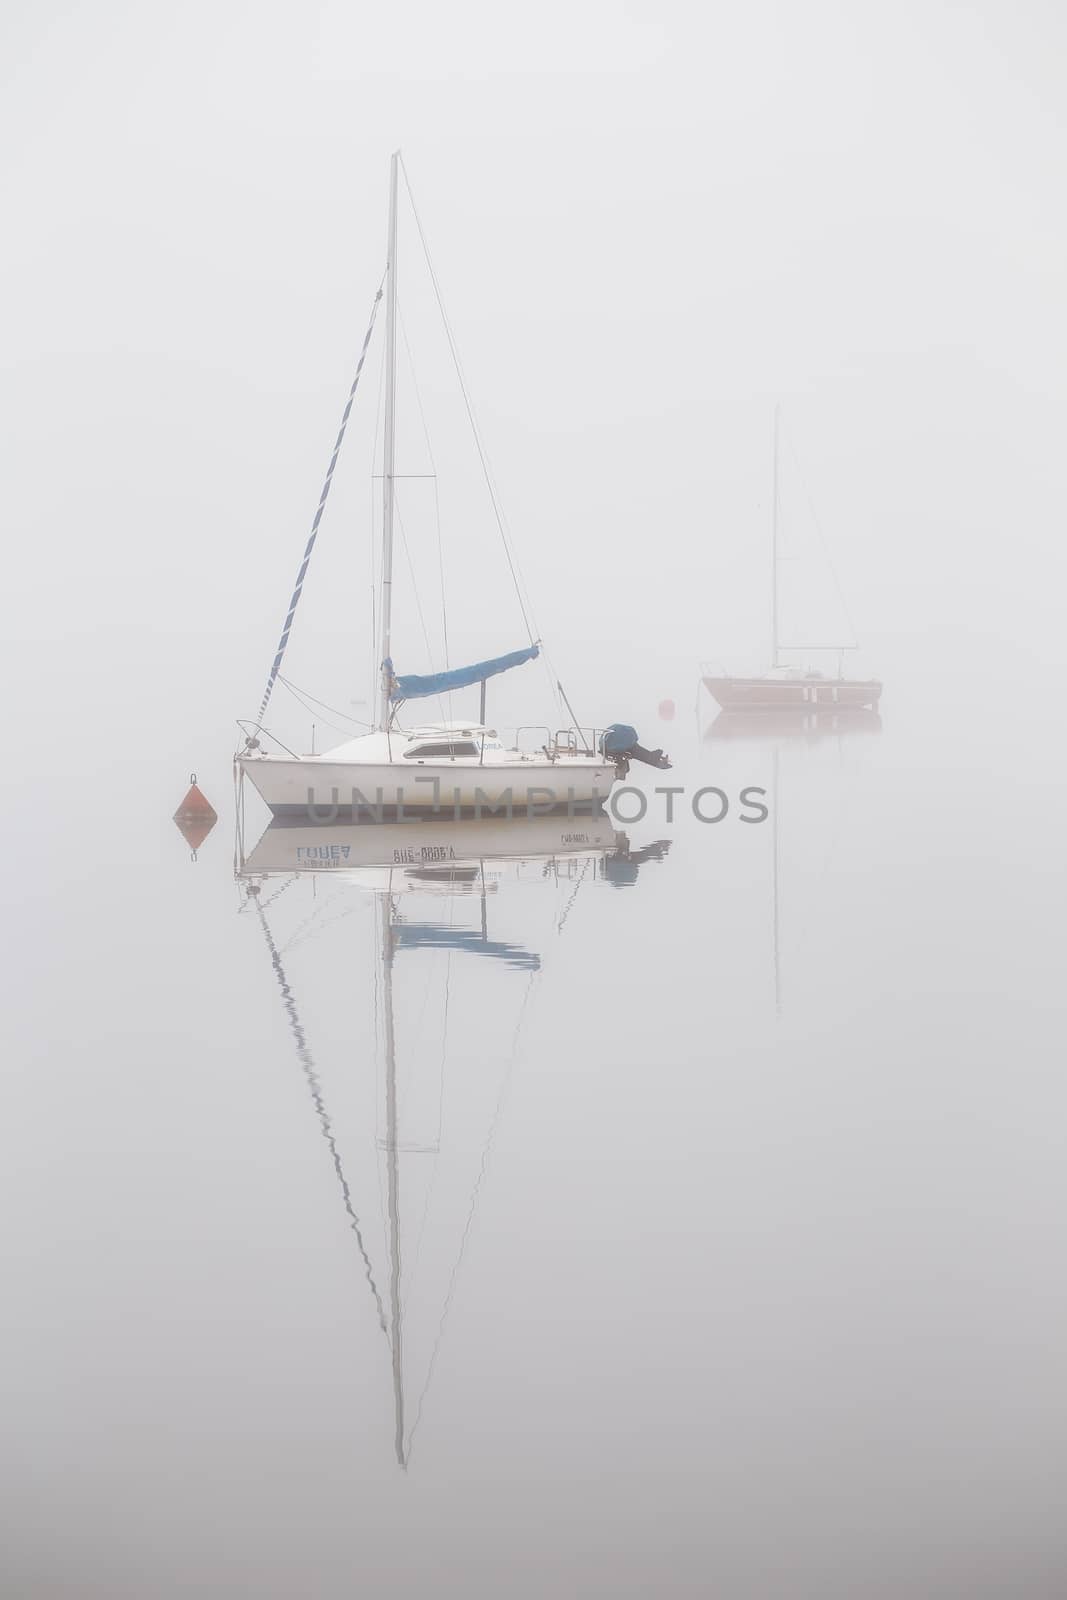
666,710
195,817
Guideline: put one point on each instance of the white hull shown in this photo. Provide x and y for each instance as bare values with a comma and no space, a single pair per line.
797,691
321,790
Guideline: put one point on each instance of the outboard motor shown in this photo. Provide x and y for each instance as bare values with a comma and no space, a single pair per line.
619,744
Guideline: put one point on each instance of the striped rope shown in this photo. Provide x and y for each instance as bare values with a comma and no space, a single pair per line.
295,601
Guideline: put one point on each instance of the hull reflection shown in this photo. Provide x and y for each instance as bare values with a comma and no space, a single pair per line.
444,852
810,723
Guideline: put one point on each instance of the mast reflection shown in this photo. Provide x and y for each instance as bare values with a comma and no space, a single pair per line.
452,863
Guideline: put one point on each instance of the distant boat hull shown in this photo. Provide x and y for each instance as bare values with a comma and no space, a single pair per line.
320,790
780,694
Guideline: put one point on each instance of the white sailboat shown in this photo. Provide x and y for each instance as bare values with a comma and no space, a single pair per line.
440,769
788,686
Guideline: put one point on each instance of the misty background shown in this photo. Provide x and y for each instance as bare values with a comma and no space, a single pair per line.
765,1291
650,225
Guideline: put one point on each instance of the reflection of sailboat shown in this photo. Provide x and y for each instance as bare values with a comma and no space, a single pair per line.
808,723
787,685
398,933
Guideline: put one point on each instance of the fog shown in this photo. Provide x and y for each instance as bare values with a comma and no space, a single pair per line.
651,226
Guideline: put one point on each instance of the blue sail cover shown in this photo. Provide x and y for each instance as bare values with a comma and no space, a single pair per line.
415,688
433,936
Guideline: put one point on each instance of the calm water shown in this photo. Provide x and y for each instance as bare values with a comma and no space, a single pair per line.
706,1236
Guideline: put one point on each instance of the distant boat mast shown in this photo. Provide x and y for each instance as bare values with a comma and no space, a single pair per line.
393,1153
774,546
389,457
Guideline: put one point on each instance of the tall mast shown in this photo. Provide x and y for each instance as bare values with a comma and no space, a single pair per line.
774,549
392,1147
388,463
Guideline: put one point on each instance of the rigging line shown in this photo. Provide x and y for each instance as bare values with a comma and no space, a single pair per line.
323,497
313,916
306,694
573,895
238,829
270,900
418,396
244,725
483,458
296,689
299,697
416,1035
307,1066
441,581
376,1006
418,598
823,541
374,609
444,1030
431,1188
254,898
475,1192
436,491
317,928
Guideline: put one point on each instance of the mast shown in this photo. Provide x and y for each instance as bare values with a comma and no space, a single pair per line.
389,458
774,894
393,1157
774,548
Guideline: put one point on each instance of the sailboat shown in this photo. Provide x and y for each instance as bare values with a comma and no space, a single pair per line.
361,857
787,686
448,768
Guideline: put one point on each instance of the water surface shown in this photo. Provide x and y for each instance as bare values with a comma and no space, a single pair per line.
704,1237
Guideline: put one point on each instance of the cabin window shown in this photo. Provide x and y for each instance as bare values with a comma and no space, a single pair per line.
439,752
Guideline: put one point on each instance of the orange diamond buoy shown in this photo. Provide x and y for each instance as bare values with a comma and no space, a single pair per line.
195,805
195,817
666,710
194,830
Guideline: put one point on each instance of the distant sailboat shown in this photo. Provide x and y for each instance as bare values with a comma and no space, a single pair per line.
439,768
787,686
